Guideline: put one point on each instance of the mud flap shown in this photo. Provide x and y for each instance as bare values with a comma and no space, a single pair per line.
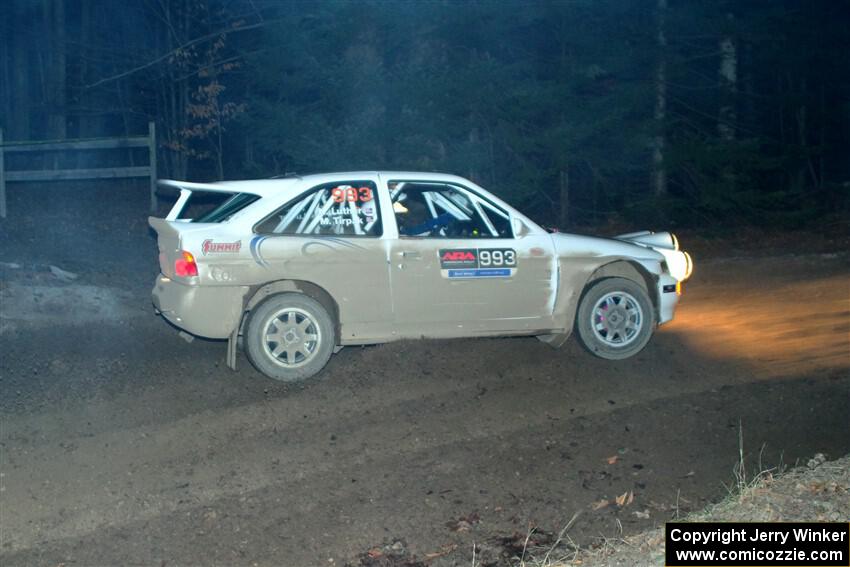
232,342
554,340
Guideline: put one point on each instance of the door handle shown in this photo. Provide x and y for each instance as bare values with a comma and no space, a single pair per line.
410,255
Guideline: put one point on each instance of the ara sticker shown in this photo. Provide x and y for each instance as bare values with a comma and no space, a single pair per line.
458,258
212,247
478,262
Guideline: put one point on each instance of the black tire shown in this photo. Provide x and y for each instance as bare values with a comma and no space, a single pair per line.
631,321
305,333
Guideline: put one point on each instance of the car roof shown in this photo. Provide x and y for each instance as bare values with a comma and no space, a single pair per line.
274,186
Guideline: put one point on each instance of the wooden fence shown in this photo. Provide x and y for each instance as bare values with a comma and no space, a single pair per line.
27,175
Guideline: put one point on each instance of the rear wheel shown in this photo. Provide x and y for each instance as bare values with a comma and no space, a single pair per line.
615,318
289,337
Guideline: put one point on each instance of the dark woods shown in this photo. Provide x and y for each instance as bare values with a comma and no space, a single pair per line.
578,111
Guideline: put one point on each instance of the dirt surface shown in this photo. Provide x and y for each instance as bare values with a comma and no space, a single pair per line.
123,444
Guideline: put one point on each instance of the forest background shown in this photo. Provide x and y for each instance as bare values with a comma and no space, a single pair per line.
580,112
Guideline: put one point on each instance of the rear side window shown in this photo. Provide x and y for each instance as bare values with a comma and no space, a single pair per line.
349,208
228,208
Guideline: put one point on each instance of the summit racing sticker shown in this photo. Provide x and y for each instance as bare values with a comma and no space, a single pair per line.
212,247
458,263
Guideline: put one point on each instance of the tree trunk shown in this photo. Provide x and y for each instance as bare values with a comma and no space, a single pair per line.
748,81
91,122
727,115
822,138
474,141
803,136
55,69
219,148
6,43
564,199
658,168
729,84
22,56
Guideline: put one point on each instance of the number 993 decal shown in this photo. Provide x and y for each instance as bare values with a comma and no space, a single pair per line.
496,257
478,262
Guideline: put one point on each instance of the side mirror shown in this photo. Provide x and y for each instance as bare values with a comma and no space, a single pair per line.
520,228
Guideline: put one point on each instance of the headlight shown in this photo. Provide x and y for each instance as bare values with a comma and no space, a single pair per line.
679,264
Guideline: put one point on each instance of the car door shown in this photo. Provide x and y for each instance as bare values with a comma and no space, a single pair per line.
458,269
332,236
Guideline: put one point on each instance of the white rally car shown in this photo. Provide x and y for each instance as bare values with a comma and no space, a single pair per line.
301,266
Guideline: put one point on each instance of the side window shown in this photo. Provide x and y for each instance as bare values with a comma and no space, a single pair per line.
341,209
441,210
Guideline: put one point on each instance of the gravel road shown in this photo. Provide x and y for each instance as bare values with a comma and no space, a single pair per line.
123,444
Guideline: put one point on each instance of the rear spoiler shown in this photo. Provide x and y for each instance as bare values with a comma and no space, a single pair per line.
172,229
186,189
163,227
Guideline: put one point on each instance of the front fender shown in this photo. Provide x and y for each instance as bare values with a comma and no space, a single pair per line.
576,274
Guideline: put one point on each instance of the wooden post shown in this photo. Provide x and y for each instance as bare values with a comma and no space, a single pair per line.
152,153
2,179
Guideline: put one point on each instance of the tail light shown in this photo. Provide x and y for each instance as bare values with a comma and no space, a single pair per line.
185,266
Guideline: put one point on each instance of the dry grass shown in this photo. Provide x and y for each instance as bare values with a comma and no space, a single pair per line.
818,492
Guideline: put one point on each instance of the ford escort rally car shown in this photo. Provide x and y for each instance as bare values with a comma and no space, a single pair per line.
296,268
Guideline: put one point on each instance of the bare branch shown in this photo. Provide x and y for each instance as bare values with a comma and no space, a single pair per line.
161,58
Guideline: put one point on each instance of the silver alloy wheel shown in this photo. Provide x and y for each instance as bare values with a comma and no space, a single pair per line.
291,337
616,319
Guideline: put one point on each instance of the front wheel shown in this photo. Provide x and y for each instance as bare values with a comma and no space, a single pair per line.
615,318
289,337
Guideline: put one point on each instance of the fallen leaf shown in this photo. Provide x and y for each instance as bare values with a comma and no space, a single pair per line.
464,524
613,459
445,550
625,499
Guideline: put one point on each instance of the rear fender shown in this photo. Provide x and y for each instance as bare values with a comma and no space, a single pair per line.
260,293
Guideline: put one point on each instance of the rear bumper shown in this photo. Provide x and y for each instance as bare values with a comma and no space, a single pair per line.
667,300
212,311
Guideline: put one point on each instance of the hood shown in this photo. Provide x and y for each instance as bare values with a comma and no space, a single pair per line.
666,240
591,246
679,263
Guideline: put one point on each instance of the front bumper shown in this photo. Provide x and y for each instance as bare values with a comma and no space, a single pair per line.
206,311
668,297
